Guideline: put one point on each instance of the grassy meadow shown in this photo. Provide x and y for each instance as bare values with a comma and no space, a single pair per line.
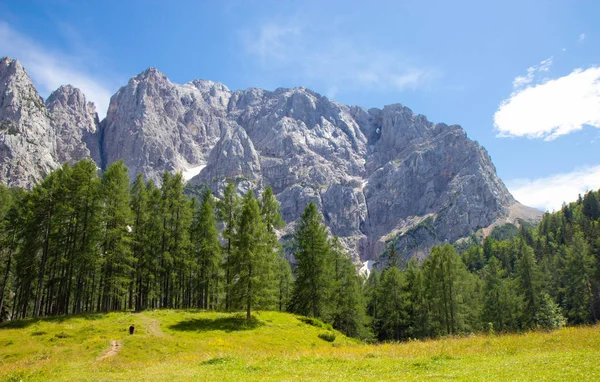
192,345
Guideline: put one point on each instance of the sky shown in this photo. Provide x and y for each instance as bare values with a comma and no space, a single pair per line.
521,77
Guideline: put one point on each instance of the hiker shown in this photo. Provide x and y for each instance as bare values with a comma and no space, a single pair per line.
131,329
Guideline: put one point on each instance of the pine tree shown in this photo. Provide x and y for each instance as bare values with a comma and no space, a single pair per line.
207,252
141,215
372,297
392,316
393,257
529,285
176,212
348,313
591,205
227,212
116,244
254,276
285,282
446,276
418,305
9,225
313,268
500,304
577,281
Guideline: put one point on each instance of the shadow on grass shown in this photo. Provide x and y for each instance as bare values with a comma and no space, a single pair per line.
227,324
24,323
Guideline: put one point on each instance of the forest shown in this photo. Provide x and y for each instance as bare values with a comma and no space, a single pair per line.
82,242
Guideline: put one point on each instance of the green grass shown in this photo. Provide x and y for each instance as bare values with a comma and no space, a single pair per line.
192,345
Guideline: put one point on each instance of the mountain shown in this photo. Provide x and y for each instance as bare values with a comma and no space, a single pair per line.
27,137
377,175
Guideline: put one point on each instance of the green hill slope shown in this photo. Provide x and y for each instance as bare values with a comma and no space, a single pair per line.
186,345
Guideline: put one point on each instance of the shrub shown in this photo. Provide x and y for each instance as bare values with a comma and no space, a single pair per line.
327,336
315,322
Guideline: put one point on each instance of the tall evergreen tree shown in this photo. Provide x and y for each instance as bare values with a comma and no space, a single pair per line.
285,282
313,268
446,276
577,276
529,285
207,252
418,305
116,249
392,316
227,211
500,305
348,312
254,277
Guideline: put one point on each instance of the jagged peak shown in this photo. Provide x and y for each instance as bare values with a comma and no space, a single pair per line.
202,84
8,61
12,66
65,91
151,73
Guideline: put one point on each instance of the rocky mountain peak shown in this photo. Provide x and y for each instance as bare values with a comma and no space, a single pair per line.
76,123
27,138
379,176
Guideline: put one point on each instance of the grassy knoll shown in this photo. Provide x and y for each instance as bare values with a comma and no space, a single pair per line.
187,345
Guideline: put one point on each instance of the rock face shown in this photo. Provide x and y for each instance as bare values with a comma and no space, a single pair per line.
76,124
27,137
377,175
156,125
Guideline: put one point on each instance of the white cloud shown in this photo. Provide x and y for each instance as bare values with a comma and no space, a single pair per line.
49,70
552,108
549,193
337,62
582,37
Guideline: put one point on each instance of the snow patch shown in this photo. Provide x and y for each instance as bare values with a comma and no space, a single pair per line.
192,172
366,268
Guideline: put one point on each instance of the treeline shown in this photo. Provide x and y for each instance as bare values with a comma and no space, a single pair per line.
542,277
79,242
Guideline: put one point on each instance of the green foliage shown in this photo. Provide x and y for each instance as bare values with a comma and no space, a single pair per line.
548,315
253,258
82,243
505,231
327,336
207,258
392,315
348,308
313,270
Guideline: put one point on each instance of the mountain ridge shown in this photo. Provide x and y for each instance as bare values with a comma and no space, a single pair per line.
375,174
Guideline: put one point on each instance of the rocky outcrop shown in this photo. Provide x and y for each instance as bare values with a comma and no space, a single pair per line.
27,137
157,126
76,124
379,175
233,157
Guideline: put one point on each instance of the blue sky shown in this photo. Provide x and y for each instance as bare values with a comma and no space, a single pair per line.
521,77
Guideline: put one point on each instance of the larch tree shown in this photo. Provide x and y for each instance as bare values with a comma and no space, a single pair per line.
313,270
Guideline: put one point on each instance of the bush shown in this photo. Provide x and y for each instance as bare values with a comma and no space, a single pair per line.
315,322
327,336
61,335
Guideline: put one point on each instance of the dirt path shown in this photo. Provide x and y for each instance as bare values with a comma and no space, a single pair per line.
115,346
153,329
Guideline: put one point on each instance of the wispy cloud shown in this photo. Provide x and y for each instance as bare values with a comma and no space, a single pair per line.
521,81
549,193
548,108
51,69
582,37
335,61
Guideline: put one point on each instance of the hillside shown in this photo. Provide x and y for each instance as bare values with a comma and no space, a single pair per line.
189,345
